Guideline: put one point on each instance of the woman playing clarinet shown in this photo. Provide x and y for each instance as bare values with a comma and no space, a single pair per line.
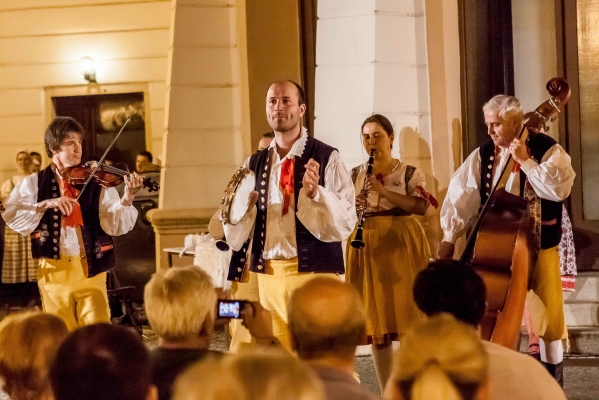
394,247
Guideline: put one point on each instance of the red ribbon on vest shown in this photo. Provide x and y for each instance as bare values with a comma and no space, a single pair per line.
74,219
286,182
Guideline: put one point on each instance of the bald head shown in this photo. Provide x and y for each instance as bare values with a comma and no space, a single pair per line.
326,317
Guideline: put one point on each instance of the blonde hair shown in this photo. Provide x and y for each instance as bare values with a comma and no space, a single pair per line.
508,107
28,344
441,358
178,301
249,376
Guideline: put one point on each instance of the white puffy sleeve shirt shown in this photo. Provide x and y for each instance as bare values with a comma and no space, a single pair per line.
21,214
330,216
551,179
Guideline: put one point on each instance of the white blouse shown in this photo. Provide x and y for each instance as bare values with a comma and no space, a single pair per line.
330,216
552,179
21,214
395,181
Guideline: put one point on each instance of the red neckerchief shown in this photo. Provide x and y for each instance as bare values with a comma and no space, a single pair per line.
74,219
286,182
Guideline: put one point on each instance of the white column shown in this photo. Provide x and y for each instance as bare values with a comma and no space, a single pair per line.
206,117
378,56
371,58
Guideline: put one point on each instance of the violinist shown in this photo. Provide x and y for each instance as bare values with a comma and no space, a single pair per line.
70,236
543,175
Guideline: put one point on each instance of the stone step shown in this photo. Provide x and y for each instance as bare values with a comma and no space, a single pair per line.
587,288
581,307
583,340
581,313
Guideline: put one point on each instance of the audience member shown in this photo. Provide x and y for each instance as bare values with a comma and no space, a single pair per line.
180,304
452,287
28,342
19,268
327,321
143,162
36,162
249,376
102,362
441,359
265,140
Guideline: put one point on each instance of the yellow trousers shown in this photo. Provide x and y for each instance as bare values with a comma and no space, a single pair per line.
240,336
275,286
546,302
67,293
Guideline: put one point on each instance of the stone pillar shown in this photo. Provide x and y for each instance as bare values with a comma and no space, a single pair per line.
206,116
371,57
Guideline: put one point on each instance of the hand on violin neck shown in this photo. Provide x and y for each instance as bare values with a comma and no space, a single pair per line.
519,151
64,204
133,183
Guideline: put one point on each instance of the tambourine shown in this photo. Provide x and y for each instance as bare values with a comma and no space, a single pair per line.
237,194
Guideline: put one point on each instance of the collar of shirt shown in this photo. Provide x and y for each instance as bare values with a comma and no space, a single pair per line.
296,150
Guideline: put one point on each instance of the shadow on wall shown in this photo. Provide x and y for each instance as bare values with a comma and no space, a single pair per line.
415,151
587,254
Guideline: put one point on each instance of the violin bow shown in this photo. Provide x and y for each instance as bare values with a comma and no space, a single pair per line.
101,161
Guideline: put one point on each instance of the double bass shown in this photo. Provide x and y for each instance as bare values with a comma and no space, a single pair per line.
499,246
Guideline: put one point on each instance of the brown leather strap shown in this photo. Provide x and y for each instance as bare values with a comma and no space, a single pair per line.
394,212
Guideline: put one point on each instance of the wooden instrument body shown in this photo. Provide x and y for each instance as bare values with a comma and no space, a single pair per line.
502,257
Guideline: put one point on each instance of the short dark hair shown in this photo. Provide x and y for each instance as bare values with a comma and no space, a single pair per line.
59,129
101,362
453,287
381,120
301,97
146,154
269,135
34,153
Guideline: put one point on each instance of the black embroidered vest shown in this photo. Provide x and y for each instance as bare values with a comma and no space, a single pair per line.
313,254
538,144
45,240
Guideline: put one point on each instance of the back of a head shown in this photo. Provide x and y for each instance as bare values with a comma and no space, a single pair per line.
101,362
452,287
28,343
326,318
178,301
440,358
249,376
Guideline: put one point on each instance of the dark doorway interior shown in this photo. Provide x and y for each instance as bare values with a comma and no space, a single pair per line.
103,116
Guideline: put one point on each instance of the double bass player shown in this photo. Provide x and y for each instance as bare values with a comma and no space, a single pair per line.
543,175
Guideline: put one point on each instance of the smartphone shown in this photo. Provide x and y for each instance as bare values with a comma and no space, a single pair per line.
230,308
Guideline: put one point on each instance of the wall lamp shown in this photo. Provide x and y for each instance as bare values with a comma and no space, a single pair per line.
87,66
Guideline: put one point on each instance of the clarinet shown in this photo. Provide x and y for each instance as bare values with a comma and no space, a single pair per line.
358,242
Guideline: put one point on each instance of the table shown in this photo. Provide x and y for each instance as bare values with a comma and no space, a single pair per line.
176,250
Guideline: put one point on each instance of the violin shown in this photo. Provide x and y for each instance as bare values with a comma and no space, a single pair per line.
104,175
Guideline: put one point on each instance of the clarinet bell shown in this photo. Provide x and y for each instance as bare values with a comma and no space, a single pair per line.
358,243
222,245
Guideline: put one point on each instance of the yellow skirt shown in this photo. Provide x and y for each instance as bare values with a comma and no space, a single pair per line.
383,272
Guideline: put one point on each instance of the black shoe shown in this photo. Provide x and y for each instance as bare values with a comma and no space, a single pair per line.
556,371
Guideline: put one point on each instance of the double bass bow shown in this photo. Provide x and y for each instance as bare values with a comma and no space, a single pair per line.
498,247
